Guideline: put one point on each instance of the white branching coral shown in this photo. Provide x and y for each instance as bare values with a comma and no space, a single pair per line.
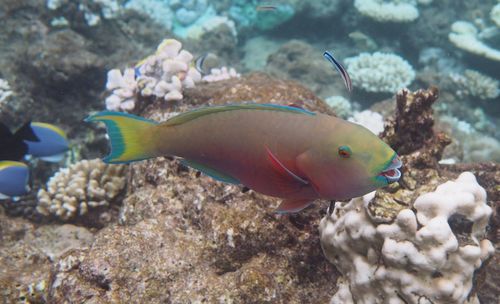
82,186
163,75
5,92
221,74
416,259
380,72
392,11
475,84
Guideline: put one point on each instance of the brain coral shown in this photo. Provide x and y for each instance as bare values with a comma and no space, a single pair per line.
74,190
380,72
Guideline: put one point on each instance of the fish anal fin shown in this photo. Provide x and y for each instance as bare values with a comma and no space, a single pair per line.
293,205
217,175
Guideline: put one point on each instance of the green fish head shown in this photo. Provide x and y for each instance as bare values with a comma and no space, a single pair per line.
360,162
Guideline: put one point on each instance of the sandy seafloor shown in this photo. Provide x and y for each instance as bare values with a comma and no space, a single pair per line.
159,233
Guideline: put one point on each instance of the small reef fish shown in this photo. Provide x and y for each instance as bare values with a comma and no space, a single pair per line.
263,8
37,139
198,64
340,69
280,151
14,177
52,144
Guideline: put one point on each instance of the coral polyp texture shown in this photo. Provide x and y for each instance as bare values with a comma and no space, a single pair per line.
83,186
162,75
419,257
476,84
388,11
380,72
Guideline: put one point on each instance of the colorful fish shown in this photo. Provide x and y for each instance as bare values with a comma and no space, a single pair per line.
12,145
52,144
340,69
38,139
14,177
281,151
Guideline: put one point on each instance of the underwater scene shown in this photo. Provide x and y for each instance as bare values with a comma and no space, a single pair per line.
250,151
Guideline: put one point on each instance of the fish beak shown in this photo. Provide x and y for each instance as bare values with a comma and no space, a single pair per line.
391,173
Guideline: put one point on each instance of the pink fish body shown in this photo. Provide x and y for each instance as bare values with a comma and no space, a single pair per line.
279,151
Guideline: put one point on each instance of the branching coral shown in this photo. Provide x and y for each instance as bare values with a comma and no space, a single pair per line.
393,11
88,184
163,75
380,72
418,257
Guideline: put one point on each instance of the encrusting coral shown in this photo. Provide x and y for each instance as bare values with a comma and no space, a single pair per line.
416,257
85,185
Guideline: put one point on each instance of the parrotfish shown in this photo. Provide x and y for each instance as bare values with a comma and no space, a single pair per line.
37,139
281,151
14,177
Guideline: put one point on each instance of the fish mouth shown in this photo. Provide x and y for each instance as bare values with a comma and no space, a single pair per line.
391,172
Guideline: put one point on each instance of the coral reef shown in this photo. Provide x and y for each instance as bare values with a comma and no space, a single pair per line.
371,120
341,106
411,132
300,61
220,74
476,84
419,256
162,75
246,15
392,11
82,188
465,36
379,72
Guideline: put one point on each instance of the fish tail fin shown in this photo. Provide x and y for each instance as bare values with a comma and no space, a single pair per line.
132,138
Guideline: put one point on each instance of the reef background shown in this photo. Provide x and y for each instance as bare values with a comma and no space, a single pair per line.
168,228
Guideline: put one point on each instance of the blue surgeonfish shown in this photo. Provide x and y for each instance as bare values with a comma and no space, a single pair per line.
12,145
14,177
52,143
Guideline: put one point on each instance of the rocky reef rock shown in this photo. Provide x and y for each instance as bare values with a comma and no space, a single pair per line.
183,237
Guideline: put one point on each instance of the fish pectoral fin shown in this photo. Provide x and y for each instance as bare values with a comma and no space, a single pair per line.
293,205
217,175
282,170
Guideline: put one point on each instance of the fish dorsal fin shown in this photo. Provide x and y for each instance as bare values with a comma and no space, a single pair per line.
217,175
194,114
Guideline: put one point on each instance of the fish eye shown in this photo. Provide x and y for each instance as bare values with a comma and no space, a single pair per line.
345,152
